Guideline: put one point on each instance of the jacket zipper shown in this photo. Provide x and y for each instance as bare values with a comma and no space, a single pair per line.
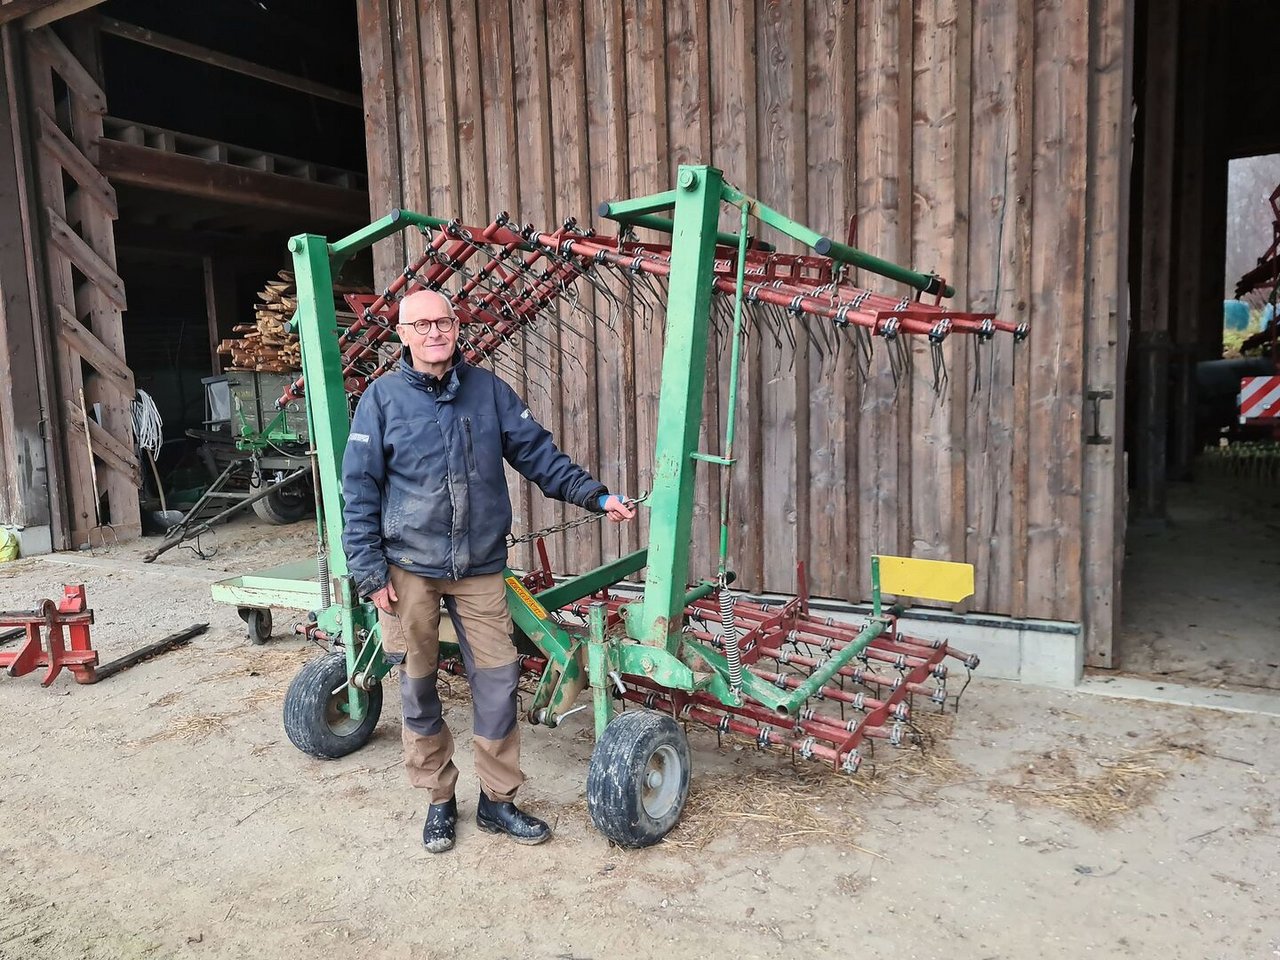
471,453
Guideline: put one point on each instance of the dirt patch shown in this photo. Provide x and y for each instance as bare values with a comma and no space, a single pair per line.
1100,791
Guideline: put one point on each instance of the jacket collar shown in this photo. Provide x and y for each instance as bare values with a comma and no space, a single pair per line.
444,388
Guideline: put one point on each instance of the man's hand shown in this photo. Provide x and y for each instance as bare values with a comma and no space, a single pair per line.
384,598
617,509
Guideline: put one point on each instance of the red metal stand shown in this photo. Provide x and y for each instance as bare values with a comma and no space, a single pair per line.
73,614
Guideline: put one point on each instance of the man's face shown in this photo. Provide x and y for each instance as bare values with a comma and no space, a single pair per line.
421,317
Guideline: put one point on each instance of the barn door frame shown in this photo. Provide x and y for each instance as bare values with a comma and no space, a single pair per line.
84,295
1107,325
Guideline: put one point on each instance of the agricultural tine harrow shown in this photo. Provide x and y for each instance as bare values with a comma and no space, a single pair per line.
506,284
688,650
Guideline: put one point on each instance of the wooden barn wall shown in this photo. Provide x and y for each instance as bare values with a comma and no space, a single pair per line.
976,138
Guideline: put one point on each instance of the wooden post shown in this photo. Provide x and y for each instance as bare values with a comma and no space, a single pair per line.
220,305
1158,117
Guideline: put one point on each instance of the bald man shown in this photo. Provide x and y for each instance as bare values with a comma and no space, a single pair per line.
425,519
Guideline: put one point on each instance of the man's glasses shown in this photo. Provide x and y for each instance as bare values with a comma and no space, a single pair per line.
423,327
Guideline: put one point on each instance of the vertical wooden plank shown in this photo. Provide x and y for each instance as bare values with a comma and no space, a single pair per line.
1023,95
532,101
24,469
992,281
1105,318
962,348
406,59
566,101
495,185
378,81
1058,281
906,232
28,184
644,27
439,110
607,159
473,183
780,60
831,196
734,149
933,231
688,82
882,499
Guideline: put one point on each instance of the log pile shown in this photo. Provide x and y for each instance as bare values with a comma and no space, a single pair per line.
265,345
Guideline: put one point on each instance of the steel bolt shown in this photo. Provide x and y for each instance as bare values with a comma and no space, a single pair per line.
688,179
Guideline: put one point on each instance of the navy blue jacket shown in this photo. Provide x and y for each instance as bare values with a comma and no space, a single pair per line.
422,478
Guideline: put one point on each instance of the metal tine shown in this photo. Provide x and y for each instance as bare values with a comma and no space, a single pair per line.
940,378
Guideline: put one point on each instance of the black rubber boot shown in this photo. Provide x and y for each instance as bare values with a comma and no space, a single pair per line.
495,817
437,832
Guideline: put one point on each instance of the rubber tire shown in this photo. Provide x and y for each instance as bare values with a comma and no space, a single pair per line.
258,622
615,778
306,710
280,508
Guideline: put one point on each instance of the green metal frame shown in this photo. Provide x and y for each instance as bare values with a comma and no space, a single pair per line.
653,643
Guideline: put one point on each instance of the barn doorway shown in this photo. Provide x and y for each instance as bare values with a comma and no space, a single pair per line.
1201,604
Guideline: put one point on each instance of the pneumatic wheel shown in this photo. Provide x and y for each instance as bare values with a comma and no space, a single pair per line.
258,622
638,780
315,710
286,505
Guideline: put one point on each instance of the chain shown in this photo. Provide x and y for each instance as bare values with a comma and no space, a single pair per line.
570,524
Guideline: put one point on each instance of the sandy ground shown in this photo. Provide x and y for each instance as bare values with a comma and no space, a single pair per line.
1201,596
163,813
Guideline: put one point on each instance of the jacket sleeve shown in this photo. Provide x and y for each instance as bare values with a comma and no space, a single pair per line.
527,446
363,479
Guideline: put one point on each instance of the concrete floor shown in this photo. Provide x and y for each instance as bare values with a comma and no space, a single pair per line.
1201,594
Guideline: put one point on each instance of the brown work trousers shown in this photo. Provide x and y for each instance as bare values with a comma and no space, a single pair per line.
411,637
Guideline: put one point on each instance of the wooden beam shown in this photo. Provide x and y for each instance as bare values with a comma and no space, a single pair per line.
45,44
86,260
94,352
69,157
198,244
225,61
58,10
115,453
17,9
194,177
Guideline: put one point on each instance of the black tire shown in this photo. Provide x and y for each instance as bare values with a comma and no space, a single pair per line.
638,780
287,505
258,622
313,718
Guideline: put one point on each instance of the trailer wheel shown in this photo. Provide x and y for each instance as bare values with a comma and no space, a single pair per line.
315,714
284,506
638,780
258,621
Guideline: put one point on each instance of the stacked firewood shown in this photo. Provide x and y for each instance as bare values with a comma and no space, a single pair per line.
266,345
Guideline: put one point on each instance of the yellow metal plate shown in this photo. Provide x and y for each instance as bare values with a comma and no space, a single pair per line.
927,579
526,597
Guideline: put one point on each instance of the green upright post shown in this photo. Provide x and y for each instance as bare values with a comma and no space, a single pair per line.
317,325
598,668
684,363
326,397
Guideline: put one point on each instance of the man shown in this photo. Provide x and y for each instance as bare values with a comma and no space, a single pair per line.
426,517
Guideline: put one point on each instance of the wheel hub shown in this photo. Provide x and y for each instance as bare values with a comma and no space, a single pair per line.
661,782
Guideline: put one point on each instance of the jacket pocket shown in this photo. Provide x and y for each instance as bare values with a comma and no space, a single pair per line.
468,444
